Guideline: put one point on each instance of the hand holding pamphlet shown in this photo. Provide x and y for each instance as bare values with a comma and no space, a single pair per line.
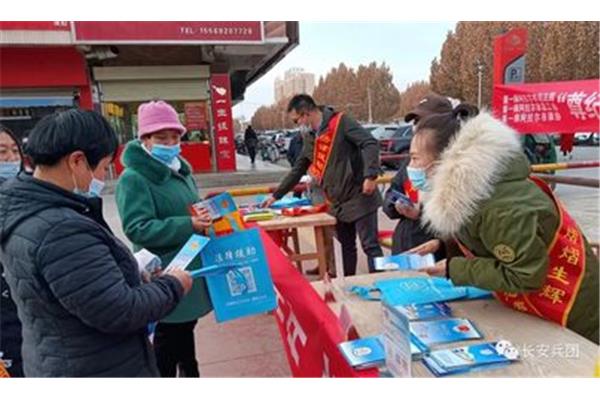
404,261
188,252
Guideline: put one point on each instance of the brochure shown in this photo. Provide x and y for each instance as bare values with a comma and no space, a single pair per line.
189,251
444,331
363,353
404,261
470,358
420,312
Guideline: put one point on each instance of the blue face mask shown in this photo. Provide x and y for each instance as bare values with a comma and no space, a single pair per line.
164,153
9,169
418,177
95,189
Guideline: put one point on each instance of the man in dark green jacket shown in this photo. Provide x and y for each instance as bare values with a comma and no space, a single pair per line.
153,196
346,170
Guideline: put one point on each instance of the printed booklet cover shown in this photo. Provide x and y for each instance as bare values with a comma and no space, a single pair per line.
421,312
444,331
470,358
363,353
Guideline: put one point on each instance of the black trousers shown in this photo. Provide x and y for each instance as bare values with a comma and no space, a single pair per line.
366,227
252,153
174,347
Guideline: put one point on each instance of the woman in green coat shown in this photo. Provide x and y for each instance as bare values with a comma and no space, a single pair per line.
515,238
153,195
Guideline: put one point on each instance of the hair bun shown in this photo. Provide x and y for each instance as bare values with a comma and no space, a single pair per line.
464,111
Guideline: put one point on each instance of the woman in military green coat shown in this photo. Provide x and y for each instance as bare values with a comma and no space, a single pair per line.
515,238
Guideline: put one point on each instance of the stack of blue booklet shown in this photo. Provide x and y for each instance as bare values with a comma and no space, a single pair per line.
363,353
421,312
440,331
470,358
290,202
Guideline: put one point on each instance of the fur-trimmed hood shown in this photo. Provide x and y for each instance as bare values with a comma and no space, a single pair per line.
482,154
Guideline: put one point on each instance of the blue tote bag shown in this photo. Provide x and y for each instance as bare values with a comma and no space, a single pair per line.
237,275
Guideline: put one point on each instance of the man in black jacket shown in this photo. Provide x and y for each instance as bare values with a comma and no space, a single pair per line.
83,307
251,142
343,159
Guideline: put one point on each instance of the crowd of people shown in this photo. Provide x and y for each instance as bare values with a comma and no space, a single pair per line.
75,304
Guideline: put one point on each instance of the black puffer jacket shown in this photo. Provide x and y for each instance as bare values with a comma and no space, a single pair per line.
10,327
77,287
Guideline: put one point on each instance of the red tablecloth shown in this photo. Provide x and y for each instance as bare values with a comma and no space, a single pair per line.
309,329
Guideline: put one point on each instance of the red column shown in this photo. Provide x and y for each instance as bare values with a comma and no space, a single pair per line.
220,90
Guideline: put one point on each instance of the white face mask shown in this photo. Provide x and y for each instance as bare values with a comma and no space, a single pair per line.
305,128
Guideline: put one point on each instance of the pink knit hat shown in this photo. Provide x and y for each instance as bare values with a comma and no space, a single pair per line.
155,116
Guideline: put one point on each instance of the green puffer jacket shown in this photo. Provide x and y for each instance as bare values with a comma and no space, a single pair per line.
153,204
481,196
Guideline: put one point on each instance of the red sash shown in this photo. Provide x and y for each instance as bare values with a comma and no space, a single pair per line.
323,146
410,191
566,268
3,372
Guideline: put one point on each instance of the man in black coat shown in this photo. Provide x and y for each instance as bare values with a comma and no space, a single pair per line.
77,288
251,142
343,159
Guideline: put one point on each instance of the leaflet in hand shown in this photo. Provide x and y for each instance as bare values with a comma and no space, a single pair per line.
188,252
404,261
444,331
400,198
363,353
217,206
470,358
147,261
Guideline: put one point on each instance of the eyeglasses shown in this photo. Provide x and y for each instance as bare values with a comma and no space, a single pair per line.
297,119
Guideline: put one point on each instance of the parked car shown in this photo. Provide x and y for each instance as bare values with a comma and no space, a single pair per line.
398,143
382,132
586,139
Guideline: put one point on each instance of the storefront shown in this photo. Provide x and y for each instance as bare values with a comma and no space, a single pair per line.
38,81
201,67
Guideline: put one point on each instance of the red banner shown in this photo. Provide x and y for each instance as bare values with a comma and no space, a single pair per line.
220,90
309,329
35,25
553,107
195,116
168,31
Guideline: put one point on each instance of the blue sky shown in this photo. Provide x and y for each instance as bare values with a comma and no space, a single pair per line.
407,47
